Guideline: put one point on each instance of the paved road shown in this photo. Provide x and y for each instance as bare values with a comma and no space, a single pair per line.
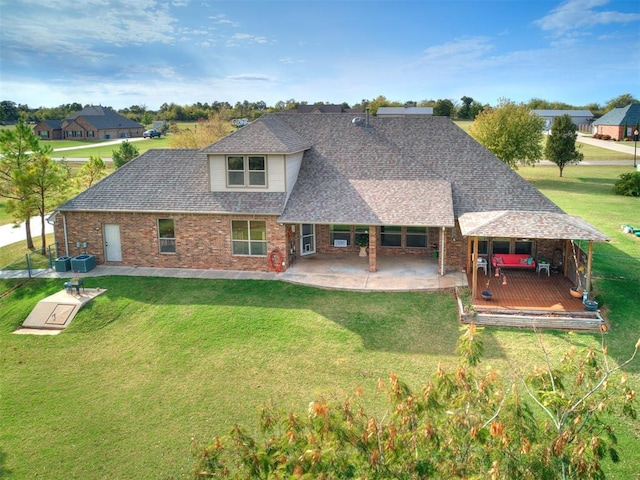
9,234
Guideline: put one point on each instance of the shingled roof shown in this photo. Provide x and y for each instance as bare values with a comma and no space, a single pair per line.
420,171
104,118
399,164
629,115
169,180
514,224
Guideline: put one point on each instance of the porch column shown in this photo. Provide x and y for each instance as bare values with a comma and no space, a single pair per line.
589,265
474,275
442,250
373,242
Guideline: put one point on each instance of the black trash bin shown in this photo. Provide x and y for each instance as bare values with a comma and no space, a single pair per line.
63,264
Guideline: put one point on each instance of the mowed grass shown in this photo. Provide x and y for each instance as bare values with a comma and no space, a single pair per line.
154,362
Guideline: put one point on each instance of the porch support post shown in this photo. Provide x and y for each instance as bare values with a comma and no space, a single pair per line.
589,264
373,251
442,250
469,253
474,275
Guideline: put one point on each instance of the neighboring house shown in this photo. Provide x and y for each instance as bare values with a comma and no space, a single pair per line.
289,185
326,108
403,111
578,117
91,123
619,123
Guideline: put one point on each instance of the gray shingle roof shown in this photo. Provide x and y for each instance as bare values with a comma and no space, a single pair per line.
557,113
421,151
268,135
104,118
528,225
401,171
169,181
629,115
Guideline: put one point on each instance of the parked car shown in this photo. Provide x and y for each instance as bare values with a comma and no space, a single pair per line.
152,133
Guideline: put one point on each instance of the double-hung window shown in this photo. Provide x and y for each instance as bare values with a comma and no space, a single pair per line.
249,237
340,235
246,171
417,237
391,236
166,235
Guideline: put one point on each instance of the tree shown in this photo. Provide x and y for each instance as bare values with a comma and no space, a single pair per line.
444,108
124,154
48,182
203,133
18,147
511,132
561,143
546,423
90,172
620,101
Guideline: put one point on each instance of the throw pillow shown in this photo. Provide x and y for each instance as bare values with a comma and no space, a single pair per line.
499,260
524,261
529,260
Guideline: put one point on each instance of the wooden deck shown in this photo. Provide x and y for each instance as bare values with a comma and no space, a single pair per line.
529,300
524,290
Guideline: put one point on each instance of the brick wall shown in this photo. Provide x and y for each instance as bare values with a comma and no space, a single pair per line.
202,241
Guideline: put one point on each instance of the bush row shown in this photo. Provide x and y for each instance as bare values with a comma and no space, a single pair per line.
601,136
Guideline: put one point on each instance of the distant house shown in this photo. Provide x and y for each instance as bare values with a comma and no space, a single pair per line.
327,108
578,117
90,123
403,111
619,123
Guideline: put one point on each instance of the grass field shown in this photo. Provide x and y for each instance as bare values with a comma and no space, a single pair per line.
153,362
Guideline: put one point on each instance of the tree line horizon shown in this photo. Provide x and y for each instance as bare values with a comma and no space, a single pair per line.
465,109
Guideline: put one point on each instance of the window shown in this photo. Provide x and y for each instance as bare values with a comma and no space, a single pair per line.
483,247
250,171
523,246
391,236
166,235
248,237
341,233
501,246
90,134
417,237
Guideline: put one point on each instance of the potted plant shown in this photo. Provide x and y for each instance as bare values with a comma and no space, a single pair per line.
363,242
486,293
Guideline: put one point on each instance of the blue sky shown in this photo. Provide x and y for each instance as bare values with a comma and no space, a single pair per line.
146,52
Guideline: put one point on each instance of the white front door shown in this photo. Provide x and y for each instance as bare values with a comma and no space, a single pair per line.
307,239
112,245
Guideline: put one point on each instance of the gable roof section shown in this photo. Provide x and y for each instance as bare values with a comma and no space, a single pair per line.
629,115
514,224
103,118
267,135
405,161
558,113
169,181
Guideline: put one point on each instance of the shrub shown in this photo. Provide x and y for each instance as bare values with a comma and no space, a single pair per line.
606,137
628,185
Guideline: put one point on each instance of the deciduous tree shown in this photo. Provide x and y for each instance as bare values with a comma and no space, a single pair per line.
90,172
561,143
511,132
546,423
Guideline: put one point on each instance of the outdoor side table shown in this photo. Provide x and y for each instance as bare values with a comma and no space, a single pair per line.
543,266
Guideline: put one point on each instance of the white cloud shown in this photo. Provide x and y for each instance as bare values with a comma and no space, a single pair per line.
577,14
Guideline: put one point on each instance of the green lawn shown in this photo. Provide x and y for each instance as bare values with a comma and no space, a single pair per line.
153,362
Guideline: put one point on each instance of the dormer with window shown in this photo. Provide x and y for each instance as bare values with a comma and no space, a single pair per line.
262,157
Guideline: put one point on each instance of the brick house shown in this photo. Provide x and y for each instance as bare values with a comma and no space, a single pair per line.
289,185
619,123
91,123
